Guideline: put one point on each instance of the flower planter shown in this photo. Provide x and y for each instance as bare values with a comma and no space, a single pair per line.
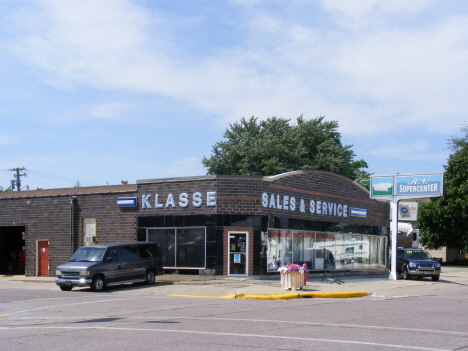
292,281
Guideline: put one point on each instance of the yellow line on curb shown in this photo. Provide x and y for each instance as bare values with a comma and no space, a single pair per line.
285,296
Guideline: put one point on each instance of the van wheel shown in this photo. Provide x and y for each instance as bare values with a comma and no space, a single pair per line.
406,275
98,284
150,277
66,288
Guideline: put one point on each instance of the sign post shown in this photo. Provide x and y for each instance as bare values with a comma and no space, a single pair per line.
397,187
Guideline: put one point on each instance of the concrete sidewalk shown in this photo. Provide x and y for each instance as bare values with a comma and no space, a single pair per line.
221,287
255,287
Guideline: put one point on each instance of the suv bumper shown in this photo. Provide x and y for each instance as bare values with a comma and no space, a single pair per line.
424,273
73,282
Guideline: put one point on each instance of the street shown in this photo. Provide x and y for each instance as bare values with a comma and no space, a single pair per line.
405,315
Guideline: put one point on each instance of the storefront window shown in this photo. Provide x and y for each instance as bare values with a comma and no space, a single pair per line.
181,247
191,248
166,240
324,251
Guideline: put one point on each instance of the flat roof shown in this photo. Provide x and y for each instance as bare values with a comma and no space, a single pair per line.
105,189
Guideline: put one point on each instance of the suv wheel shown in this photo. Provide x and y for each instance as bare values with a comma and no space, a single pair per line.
435,278
150,277
406,275
98,284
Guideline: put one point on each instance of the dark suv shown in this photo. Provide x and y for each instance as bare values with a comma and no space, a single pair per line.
102,265
417,263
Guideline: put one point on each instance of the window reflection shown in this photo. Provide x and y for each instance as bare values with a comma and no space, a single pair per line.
191,248
324,251
181,247
166,240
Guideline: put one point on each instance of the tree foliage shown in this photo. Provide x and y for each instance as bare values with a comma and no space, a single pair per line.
274,146
2,190
443,221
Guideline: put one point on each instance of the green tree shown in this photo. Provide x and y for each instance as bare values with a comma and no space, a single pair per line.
275,146
443,221
7,189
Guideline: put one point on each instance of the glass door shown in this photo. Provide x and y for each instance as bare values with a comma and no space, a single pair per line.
238,251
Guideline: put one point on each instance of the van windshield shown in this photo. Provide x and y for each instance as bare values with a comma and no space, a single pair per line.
88,254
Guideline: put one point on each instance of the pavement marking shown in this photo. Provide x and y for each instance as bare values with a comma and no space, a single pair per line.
438,331
235,334
68,304
418,296
45,299
284,296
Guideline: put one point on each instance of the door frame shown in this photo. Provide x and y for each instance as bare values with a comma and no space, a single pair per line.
37,256
247,250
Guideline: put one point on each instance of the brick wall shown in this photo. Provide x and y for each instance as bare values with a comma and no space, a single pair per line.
244,195
48,218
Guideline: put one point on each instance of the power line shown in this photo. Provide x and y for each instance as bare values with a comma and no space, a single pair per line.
55,177
16,183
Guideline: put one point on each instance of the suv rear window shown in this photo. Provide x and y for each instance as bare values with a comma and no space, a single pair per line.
149,251
129,252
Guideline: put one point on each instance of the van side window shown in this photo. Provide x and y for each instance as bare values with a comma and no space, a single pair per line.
149,251
129,252
112,255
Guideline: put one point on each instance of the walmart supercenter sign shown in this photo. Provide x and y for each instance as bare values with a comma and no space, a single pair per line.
400,187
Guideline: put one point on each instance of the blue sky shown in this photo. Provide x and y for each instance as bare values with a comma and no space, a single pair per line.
100,91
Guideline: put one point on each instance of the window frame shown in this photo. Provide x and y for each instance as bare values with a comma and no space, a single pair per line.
175,241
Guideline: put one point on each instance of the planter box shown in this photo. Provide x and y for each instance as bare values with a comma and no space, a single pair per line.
292,281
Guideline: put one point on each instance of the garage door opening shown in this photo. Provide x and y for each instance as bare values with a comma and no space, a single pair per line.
12,257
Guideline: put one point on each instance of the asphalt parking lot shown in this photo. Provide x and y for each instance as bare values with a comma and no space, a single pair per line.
181,313
210,286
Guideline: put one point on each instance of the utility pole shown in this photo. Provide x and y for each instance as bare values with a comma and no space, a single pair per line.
18,176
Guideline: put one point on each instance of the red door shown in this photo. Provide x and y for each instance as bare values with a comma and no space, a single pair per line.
43,258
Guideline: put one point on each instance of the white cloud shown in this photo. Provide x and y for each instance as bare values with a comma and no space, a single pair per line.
113,110
365,14
363,69
418,150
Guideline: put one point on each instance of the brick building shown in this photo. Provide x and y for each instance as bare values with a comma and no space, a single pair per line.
223,225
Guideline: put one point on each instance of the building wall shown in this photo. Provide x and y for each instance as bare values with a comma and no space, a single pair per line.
239,203
324,187
49,218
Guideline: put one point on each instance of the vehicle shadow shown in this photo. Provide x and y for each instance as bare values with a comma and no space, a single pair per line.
124,287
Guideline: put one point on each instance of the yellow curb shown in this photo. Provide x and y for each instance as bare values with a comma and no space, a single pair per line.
340,295
285,296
